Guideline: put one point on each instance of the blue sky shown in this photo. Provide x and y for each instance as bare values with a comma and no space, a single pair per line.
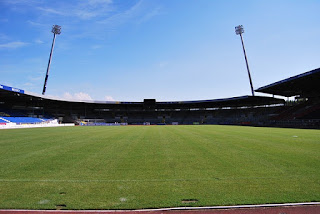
169,50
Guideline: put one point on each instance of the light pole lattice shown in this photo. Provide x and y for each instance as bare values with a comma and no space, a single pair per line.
56,29
239,31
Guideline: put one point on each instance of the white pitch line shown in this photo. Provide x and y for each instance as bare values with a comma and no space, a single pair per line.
135,180
101,180
168,209
233,206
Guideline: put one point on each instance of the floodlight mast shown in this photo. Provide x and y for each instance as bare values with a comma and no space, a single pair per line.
239,31
56,29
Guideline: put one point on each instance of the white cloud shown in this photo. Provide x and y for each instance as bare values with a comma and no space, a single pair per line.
4,36
28,84
83,9
54,97
149,15
96,46
97,2
108,98
38,41
123,16
67,96
21,1
163,64
13,45
96,19
93,8
81,96
52,11
35,78
36,23
139,13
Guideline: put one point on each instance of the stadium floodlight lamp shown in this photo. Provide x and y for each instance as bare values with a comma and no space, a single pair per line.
239,29
56,29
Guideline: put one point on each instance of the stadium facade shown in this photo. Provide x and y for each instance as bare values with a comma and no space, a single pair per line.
303,112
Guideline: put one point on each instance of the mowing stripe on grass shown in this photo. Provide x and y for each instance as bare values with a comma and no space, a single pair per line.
140,180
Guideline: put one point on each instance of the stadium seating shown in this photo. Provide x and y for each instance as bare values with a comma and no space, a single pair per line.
24,120
301,112
11,113
2,121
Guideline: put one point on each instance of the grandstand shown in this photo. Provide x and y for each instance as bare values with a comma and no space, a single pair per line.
22,107
304,112
305,85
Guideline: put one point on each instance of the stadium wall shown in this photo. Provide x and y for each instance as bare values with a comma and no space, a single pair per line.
17,126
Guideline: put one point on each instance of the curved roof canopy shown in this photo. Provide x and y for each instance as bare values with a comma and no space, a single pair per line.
13,96
304,85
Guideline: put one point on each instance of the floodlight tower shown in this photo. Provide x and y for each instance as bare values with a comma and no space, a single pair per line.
56,29
239,31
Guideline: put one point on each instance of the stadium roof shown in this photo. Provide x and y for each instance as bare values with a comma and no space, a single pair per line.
20,97
304,85
227,102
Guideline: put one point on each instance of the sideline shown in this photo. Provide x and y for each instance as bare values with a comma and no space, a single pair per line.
233,207
208,208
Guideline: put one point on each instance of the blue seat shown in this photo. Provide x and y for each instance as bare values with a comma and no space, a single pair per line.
22,120
2,121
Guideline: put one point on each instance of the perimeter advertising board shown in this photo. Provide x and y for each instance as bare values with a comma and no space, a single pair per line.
8,88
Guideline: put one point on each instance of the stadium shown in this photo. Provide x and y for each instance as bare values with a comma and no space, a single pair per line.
252,154
25,108
197,161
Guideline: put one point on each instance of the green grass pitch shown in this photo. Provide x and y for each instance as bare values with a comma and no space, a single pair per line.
133,167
